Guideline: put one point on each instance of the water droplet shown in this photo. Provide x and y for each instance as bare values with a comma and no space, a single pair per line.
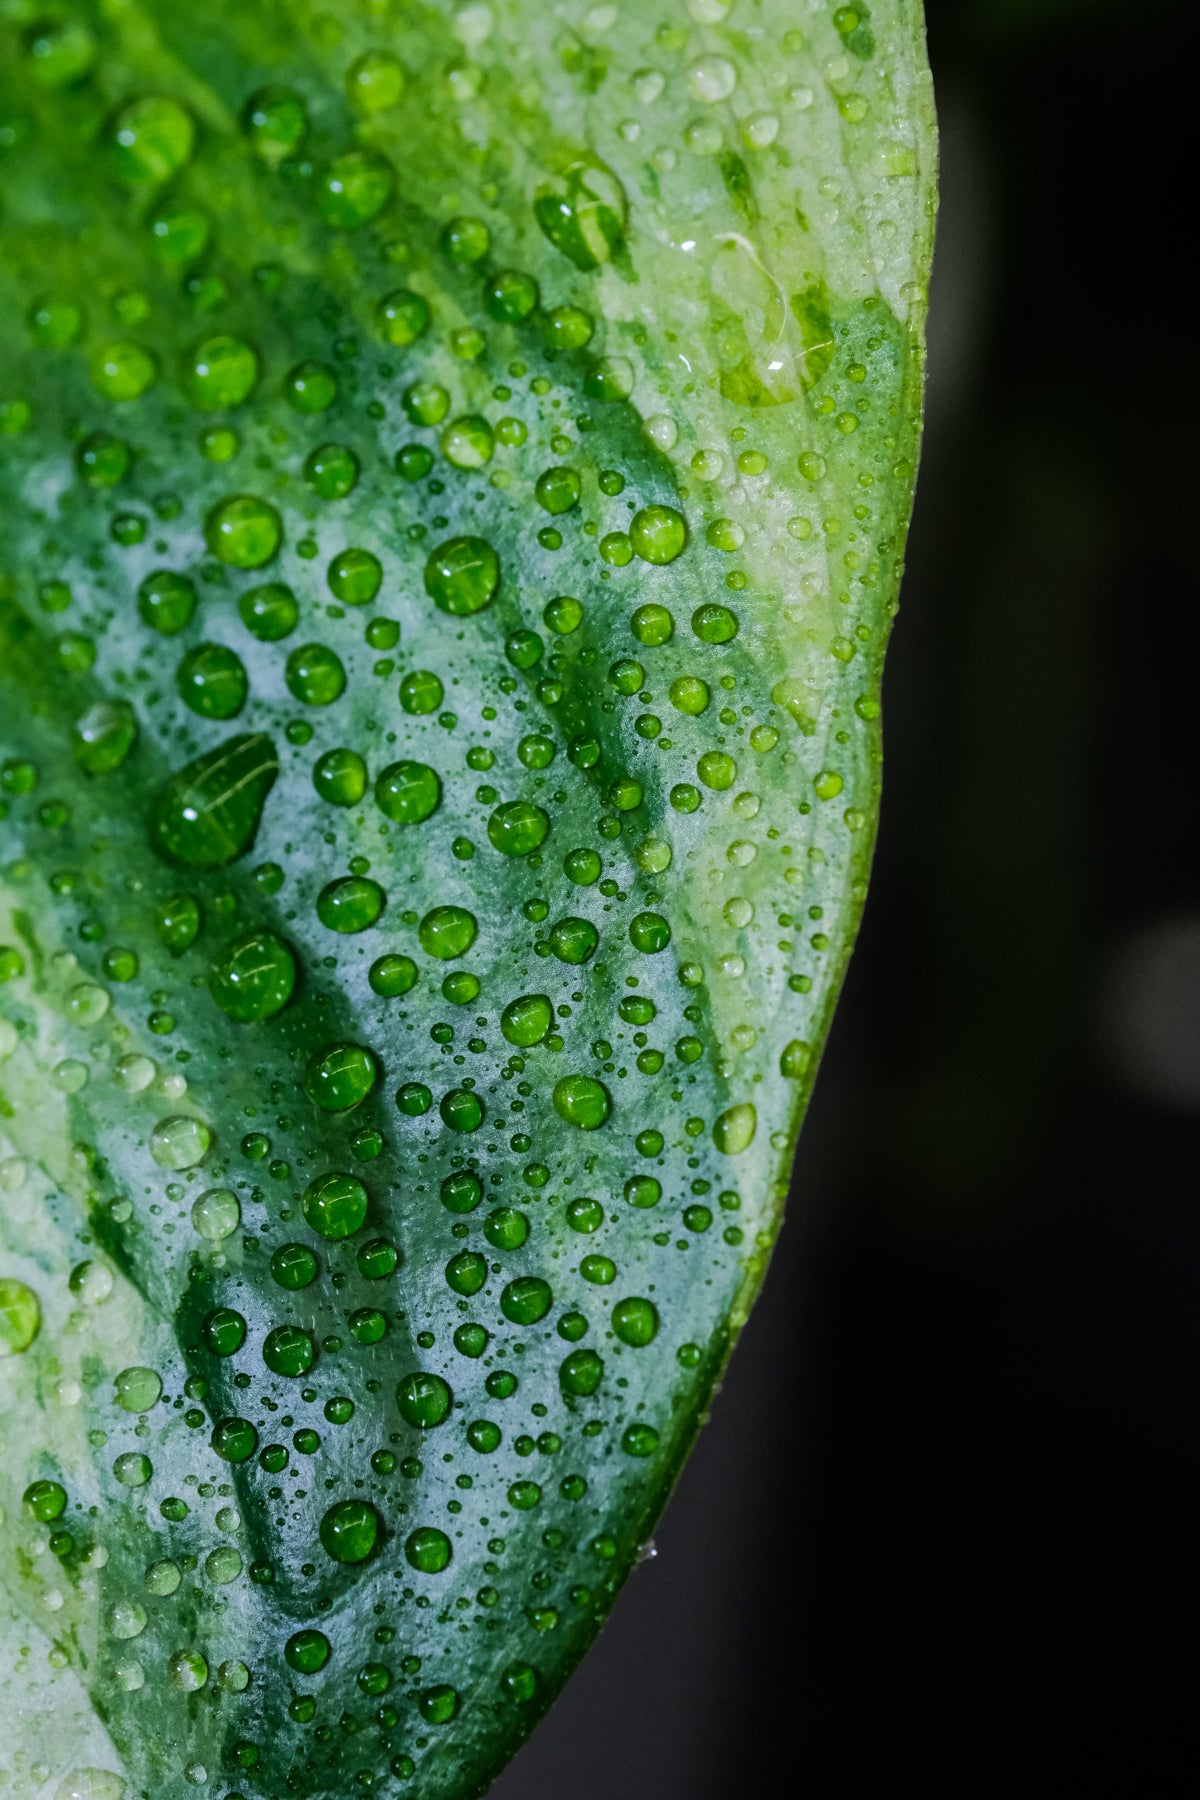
216,1214
663,433
581,1373
427,1550
558,490
354,189
716,770
134,1073
462,575
518,828
153,139
208,814
467,443
219,372
424,1399
123,371
340,1077
307,1651
132,1470
91,1282
166,601
438,1705
582,1101
335,1206
465,240
649,932
652,625
55,323
354,577
103,737
137,1389
408,792
310,388
187,1671
658,534
294,1266
87,1004
582,211
401,317
448,932
234,1440
91,1784
223,1565
340,777
511,295
526,1300
212,682
315,675
711,79
180,1142
349,1531
733,1131
374,82
243,531
20,1316
610,379
276,121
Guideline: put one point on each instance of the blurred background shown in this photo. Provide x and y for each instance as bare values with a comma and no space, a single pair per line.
941,1529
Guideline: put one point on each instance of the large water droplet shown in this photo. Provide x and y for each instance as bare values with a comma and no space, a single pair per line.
582,1101
20,1316
90,1784
208,814
349,1530
253,976
462,575
104,736
582,211
180,1142
734,1130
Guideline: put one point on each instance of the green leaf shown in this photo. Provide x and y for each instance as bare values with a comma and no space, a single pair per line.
454,475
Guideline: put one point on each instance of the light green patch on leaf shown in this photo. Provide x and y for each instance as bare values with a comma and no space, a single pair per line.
454,477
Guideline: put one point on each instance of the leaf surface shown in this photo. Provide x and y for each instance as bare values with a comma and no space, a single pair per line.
454,470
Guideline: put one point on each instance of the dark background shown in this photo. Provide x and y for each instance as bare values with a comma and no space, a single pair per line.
941,1530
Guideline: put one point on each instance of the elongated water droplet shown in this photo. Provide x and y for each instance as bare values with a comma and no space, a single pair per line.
208,814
